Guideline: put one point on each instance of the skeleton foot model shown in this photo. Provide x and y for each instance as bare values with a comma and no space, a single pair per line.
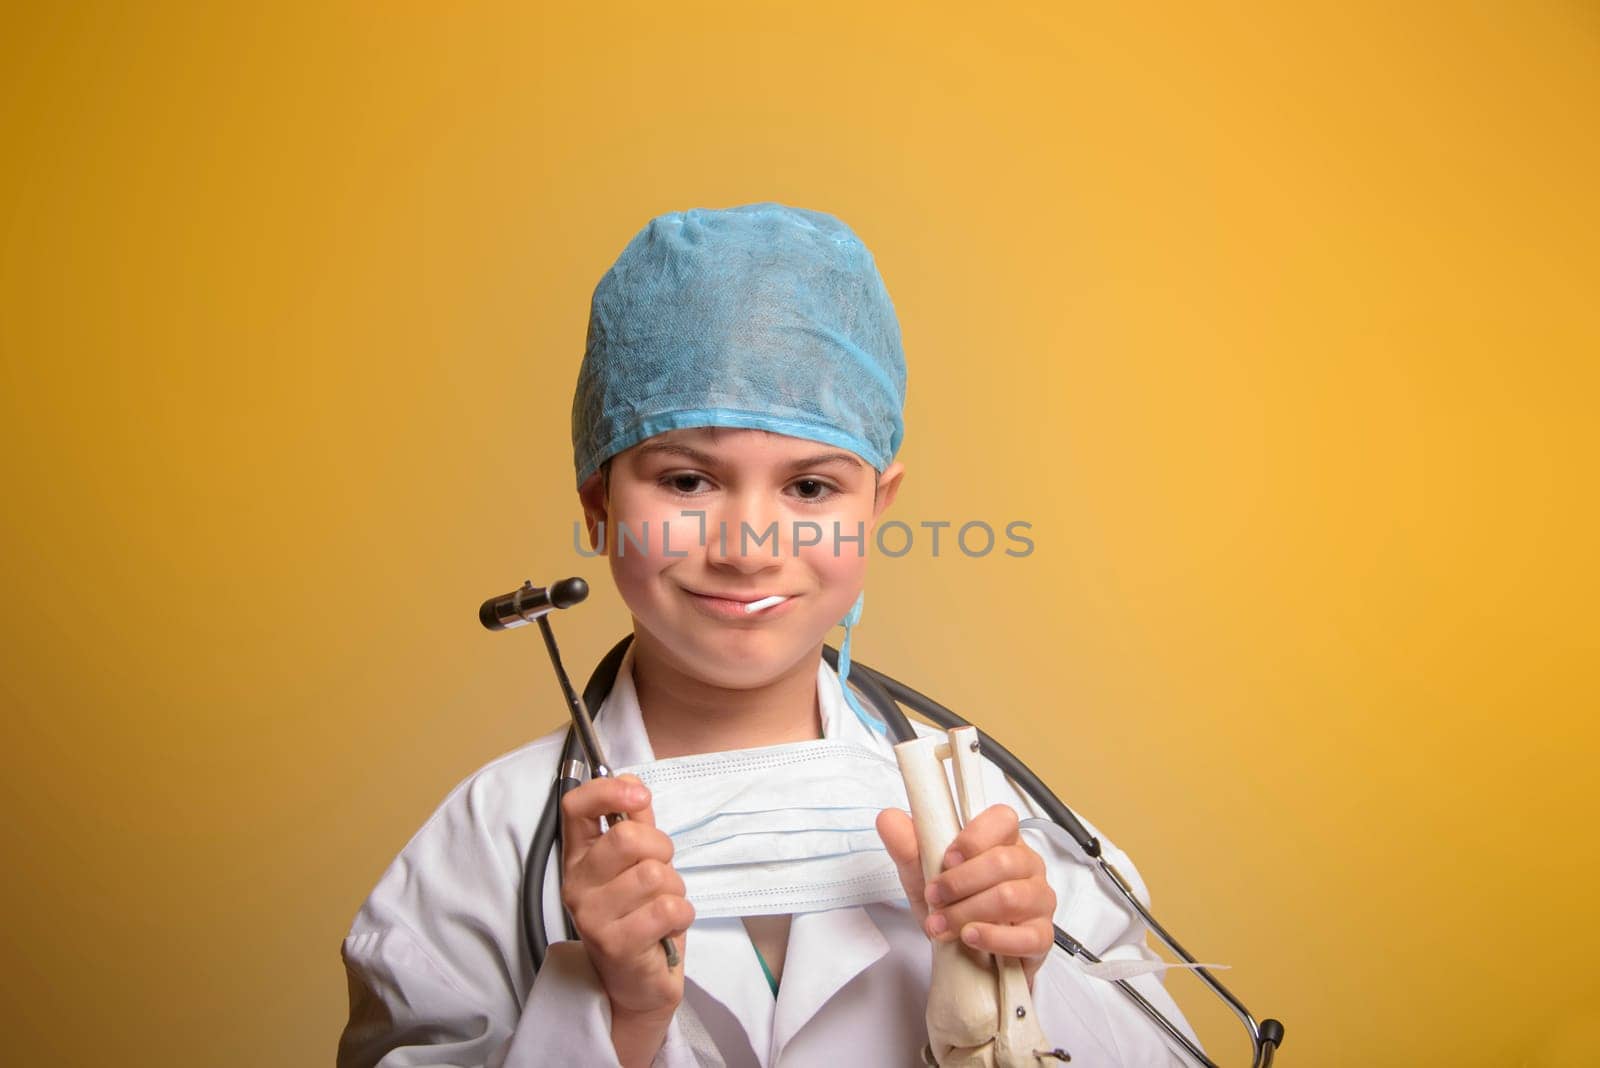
980,1012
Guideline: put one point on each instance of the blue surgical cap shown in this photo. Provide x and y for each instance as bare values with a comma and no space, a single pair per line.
761,316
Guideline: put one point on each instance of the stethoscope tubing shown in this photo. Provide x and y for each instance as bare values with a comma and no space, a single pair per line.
886,694
1263,1038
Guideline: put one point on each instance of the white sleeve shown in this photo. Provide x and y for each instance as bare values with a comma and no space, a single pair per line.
407,1011
1090,1017
567,1020
438,967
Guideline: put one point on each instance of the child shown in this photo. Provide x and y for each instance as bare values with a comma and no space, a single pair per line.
737,416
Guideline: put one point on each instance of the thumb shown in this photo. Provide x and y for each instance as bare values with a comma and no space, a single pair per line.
647,814
899,836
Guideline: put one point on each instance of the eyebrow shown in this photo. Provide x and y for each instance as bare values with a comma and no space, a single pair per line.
705,459
827,459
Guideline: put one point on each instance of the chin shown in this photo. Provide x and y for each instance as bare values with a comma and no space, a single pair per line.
738,661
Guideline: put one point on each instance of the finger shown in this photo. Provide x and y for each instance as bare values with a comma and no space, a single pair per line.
583,806
638,931
995,825
631,890
1026,940
647,814
899,836
1013,902
620,848
1002,864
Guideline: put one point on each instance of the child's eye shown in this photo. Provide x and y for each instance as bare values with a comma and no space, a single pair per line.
683,482
812,489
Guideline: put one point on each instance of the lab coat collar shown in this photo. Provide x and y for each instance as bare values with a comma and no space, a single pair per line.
720,959
619,721
839,721
826,951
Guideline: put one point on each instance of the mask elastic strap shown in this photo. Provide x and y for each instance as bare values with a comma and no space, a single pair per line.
850,619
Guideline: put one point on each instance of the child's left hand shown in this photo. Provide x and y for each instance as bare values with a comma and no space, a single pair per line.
991,890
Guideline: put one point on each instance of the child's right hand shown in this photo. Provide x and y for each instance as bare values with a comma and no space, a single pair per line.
624,895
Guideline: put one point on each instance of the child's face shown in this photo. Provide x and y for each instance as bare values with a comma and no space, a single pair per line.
685,589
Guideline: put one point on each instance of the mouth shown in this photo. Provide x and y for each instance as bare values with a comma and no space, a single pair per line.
762,605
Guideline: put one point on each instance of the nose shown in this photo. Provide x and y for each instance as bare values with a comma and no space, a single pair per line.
746,534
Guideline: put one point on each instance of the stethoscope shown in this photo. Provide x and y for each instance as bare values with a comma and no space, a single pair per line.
580,753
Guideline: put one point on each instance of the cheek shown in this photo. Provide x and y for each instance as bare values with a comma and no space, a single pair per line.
634,544
632,573
841,569
836,568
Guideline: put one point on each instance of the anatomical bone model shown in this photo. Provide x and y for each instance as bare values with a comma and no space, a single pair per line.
980,1012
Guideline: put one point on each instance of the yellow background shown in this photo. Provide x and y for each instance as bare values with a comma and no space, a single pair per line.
1276,321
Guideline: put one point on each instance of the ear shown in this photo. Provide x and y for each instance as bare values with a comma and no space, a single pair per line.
592,498
888,486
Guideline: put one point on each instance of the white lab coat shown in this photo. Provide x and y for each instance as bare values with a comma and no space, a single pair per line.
440,973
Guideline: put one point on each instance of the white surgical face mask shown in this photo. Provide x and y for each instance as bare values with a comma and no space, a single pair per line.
780,829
